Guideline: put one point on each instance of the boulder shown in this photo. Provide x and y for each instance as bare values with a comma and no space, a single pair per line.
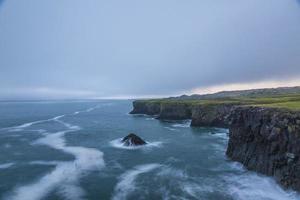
133,140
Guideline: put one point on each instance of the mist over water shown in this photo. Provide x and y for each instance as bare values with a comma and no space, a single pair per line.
71,150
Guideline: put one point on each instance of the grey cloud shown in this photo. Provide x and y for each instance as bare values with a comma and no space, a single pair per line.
146,47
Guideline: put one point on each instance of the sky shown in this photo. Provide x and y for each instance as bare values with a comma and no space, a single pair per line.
54,49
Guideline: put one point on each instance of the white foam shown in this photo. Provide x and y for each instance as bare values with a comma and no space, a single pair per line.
66,175
150,118
169,128
69,126
126,183
56,118
167,171
253,186
184,124
87,110
6,165
26,125
195,190
117,143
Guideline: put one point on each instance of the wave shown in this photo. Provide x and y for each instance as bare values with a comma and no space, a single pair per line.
6,165
117,143
126,183
66,175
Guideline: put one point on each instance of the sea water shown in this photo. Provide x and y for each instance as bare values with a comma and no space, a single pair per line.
71,150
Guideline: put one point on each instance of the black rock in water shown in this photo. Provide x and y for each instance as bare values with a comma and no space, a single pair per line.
133,140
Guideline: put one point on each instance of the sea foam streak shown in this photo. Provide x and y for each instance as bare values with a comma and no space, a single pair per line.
66,175
126,185
26,125
6,165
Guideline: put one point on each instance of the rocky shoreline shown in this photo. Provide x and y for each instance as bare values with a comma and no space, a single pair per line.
266,140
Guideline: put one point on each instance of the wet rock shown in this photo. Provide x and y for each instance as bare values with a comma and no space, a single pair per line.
133,140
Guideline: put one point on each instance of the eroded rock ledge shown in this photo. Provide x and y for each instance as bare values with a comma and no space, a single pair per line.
266,140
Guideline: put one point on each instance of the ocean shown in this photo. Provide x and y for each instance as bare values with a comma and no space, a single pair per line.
71,150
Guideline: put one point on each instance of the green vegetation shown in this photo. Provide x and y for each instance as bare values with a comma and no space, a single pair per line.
291,101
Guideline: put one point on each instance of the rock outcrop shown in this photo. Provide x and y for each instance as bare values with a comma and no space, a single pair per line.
266,140
133,140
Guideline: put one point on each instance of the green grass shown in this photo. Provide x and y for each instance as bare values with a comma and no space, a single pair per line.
291,102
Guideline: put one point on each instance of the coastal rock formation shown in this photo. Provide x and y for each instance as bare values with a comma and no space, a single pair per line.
133,140
267,140
143,107
175,111
211,115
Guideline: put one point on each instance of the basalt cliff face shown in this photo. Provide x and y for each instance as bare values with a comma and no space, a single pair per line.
147,108
266,140
211,115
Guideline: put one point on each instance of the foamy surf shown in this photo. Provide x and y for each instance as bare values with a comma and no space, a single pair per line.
169,128
117,143
254,186
183,124
127,184
64,178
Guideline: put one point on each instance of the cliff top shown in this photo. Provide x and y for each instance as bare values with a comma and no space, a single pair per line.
278,99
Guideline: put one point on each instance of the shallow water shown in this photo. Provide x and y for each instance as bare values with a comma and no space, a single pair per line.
71,150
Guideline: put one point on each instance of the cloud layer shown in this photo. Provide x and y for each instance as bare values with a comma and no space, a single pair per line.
133,48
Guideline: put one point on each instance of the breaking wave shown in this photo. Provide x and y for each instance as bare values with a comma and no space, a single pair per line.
117,143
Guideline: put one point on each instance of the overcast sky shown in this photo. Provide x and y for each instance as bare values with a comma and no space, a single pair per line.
133,48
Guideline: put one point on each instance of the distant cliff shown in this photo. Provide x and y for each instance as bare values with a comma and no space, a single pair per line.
266,140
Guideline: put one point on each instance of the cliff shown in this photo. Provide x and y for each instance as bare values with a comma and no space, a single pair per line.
211,115
175,111
144,107
266,140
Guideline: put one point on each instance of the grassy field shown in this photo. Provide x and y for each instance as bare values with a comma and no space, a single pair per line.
291,102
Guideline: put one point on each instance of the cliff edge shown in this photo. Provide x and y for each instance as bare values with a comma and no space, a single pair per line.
262,137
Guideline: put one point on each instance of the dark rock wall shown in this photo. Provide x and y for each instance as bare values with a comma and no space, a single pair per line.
211,115
267,140
148,108
175,111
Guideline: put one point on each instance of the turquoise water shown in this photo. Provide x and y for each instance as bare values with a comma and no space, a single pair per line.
70,150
